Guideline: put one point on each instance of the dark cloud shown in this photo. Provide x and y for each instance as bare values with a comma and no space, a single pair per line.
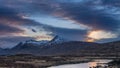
87,12
10,16
7,12
69,34
12,21
80,11
5,29
30,6
96,14
93,18
115,3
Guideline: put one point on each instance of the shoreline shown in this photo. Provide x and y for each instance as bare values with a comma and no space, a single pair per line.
23,61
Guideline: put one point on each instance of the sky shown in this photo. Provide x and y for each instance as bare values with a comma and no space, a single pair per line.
75,20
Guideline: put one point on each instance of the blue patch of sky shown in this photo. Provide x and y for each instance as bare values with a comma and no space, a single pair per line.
62,1
57,22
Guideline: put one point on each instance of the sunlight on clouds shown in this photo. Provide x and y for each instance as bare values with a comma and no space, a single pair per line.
40,34
100,34
89,39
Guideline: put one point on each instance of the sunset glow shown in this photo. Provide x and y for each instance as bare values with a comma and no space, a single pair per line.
90,40
98,35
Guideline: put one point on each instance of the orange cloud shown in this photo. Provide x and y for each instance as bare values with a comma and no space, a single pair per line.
99,34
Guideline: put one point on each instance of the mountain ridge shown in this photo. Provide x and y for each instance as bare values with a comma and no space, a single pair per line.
64,48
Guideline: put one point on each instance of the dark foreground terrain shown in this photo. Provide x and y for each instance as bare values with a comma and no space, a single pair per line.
53,53
30,61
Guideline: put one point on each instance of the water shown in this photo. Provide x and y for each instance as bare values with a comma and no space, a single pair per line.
84,65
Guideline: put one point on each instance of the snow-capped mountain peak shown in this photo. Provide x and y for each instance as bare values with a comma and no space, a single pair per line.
34,42
57,39
54,41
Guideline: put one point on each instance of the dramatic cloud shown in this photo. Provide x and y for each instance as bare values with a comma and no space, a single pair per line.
94,14
87,16
93,20
115,3
12,21
100,34
70,34
5,29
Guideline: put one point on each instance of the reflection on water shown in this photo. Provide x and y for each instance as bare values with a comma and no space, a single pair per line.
85,65
98,63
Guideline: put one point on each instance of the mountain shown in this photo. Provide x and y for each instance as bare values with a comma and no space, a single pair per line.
4,51
66,48
112,43
33,42
114,46
59,46
32,46
56,40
